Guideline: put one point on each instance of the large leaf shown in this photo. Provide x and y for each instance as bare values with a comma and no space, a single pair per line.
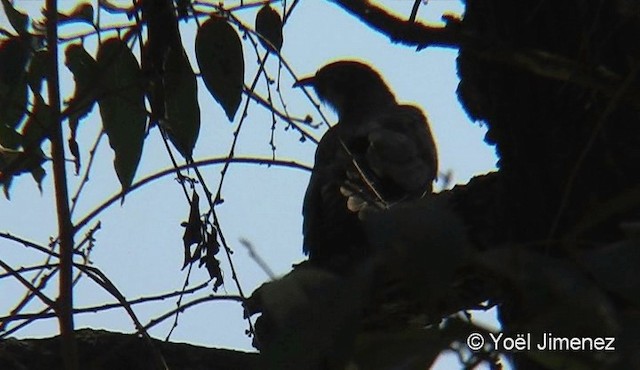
181,101
221,62
269,26
14,55
18,20
122,107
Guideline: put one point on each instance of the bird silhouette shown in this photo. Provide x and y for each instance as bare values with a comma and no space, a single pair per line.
379,153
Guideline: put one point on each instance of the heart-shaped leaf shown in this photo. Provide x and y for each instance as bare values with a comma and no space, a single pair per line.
221,62
122,107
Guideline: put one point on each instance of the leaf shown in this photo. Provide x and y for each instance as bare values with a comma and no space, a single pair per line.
38,174
14,56
18,20
36,129
122,106
84,69
83,12
269,26
9,138
16,162
221,62
113,8
181,102
192,232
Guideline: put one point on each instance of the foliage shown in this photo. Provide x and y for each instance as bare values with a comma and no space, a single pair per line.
551,239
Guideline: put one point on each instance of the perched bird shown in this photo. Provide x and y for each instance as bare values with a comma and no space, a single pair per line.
379,153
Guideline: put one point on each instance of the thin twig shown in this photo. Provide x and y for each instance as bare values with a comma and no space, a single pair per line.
46,300
414,10
256,257
85,177
206,162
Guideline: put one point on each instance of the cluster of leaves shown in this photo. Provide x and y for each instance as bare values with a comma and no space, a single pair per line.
23,66
201,233
119,83
134,91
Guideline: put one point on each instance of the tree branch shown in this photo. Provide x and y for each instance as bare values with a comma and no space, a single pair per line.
64,306
409,33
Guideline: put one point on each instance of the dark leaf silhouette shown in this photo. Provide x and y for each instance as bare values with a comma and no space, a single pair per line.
14,56
113,7
81,13
84,69
38,124
181,101
221,62
16,162
10,138
122,106
193,230
18,20
269,26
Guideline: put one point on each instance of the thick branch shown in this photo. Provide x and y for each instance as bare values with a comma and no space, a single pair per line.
107,350
64,306
399,30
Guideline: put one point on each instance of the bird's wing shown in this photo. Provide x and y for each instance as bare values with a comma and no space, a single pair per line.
326,218
400,153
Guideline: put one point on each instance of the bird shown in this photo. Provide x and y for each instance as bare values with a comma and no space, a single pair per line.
379,153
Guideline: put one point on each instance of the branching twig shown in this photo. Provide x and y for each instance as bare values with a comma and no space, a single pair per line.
46,314
85,177
46,300
187,305
201,163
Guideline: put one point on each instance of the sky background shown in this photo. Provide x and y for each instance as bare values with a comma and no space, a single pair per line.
140,243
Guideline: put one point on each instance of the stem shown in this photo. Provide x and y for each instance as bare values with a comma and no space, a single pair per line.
64,304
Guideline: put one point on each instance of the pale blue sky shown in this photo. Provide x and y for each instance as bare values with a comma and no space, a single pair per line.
140,247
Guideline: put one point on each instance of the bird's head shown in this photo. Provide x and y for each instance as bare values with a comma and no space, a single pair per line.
349,87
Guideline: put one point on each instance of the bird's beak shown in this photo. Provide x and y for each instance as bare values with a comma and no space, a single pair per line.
307,81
